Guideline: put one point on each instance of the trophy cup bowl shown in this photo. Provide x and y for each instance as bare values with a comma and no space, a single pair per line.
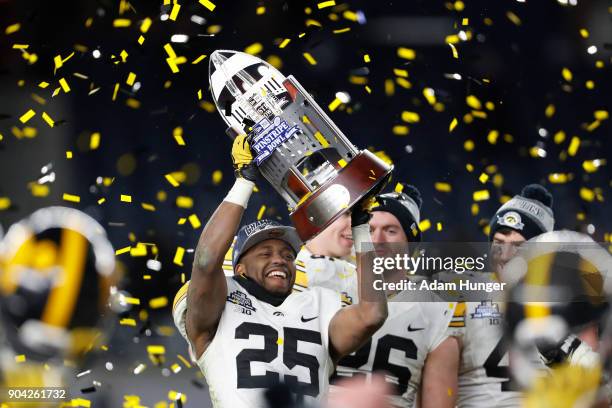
298,149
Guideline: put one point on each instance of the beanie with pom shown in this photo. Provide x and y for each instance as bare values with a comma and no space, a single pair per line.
529,213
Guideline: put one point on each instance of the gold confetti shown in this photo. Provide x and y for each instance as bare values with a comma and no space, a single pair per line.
483,178
182,221
13,28
454,50
194,221
178,256
260,10
20,46
492,136
217,176
587,194
403,83
584,33
147,206
101,201
130,79
172,180
310,58
174,12
141,39
177,133
406,53
254,48
158,302
261,212
400,130
601,115
591,166
574,145
122,22
208,4
115,90
424,225
48,119
184,202
410,117
197,60
334,104
559,137
366,58
310,22
567,74
94,141
430,95
558,178
20,358
465,21
513,17
5,203
549,111
443,187
43,84
64,85
342,30
72,198
284,43
27,116
452,125
473,102
126,198
127,322
400,72
146,24
68,154
324,4
481,195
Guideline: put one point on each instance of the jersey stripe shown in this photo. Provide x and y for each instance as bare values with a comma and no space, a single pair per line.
458,319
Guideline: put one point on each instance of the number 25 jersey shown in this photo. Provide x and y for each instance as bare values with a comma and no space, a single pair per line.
258,345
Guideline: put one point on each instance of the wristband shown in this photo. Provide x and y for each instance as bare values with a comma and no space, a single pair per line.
240,192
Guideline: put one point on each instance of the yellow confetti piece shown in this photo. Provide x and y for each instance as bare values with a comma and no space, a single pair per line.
68,154
465,21
513,17
452,125
146,24
20,358
27,116
126,198
94,141
254,48
123,54
101,201
558,178
184,202
260,10
443,187
71,197
584,33
334,104
43,84
20,46
158,302
403,83
13,28
481,195
147,206
130,79
123,250
424,225
177,133
483,178
400,130
493,136
141,40
366,58
197,60
587,194
601,115
400,72
406,53
309,58
454,50
430,95
208,4
127,322
174,12
172,180
284,43
574,145
473,102
410,117
122,22
115,90
131,300
567,74
48,119
5,203
181,221
549,111
438,226
194,221
261,212
589,84
310,22
324,4
559,137
342,30
591,166
178,256
217,176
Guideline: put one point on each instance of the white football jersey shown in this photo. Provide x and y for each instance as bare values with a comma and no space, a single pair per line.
257,345
412,330
484,376
324,271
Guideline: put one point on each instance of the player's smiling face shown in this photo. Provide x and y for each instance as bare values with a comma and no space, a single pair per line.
271,264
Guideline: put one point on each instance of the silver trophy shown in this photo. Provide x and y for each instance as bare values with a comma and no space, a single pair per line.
297,147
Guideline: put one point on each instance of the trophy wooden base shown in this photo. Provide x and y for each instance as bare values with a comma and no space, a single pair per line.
364,175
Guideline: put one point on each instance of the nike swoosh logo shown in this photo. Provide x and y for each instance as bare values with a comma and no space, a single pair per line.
411,329
307,320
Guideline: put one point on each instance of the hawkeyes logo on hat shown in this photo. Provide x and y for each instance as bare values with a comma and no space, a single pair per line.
511,219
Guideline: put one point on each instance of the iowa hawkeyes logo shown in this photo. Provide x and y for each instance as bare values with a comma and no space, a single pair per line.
511,219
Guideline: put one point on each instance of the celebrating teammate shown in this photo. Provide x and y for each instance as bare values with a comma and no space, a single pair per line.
249,332
484,378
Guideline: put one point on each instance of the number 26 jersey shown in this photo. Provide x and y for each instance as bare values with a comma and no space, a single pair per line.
258,345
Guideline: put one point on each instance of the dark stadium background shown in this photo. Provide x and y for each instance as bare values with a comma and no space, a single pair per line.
523,62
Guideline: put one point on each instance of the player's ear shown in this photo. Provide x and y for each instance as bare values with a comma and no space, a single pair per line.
240,269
